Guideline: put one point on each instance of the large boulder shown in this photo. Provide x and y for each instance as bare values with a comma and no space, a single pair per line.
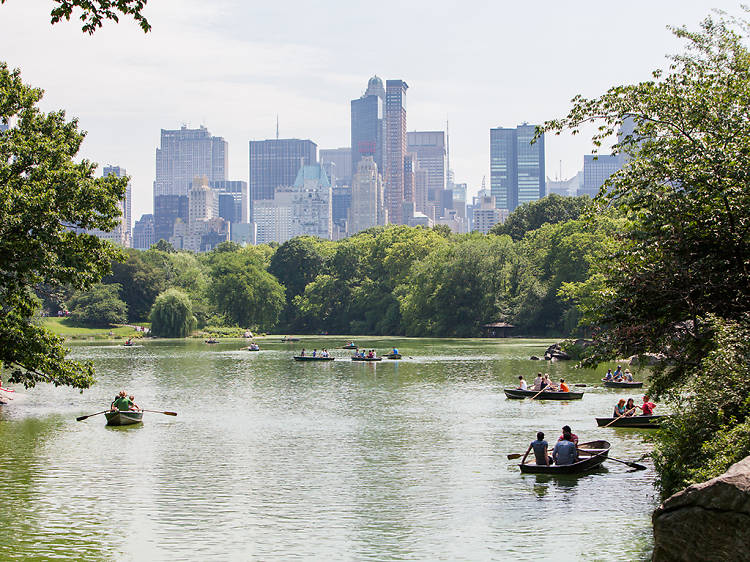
707,521
555,352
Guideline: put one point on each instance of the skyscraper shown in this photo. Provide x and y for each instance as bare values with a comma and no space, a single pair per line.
367,208
276,162
597,168
127,204
368,125
233,200
429,147
395,148
517,173
341,159
184,154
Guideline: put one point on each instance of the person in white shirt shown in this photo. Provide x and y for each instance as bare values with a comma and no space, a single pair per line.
522,383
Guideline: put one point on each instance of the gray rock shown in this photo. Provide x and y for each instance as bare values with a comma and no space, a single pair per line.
534,358
707,521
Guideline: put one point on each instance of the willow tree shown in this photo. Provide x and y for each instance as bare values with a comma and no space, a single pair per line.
172,315
682,266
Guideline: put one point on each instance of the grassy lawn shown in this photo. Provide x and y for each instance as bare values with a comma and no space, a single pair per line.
62,327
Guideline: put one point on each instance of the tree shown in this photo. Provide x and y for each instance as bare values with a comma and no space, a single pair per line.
682,264
296,263
99,306
551,209
243,291
43,193
172,315
92,13
140,282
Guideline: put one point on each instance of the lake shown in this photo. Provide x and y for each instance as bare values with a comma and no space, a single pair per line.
274,459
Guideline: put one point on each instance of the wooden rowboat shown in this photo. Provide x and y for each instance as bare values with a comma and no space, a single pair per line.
591,455
253,347
285,339
394,356
349,346
311,358
641,422
123,417
622,384
544,395
357,358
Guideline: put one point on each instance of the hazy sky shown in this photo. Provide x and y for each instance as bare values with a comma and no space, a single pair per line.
232,65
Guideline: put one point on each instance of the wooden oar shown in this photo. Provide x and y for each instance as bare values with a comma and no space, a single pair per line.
158,412
580,384
81,418
538,393
634,465
618,417
512,456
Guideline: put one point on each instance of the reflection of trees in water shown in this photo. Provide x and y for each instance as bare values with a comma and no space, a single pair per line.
31,520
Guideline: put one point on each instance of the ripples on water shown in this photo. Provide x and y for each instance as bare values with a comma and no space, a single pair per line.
269,458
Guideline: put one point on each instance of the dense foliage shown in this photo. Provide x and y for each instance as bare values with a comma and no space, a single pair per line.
93,13
172,315
549,210
98,306
680,272
44,192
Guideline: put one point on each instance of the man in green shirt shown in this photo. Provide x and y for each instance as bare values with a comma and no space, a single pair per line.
122,402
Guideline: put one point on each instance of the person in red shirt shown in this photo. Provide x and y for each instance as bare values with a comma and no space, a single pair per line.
647,408
566,429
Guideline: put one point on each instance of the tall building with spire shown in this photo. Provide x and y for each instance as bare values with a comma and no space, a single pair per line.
368,125
395,149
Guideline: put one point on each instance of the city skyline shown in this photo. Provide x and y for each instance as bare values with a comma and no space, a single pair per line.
165,79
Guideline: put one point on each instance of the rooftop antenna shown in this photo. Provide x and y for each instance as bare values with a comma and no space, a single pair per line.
277,126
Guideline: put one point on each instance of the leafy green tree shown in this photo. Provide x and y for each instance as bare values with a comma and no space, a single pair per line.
172,315
163,246
551,209
243,291
98,306
140,281
93,13
296,263
458,287
684,257
44,192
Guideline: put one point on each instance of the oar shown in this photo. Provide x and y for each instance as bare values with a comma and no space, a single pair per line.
634,465
512,456
580,384
538,393
618,417
81,418
158,412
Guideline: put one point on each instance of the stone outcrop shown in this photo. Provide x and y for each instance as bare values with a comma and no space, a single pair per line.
555,352
707,521
646,359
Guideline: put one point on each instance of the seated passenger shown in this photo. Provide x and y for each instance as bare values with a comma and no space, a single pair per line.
122,403
628,376
647,407
563,387
538,382
566,429
522,383
630,407
620,409
608,376
540,450
565,451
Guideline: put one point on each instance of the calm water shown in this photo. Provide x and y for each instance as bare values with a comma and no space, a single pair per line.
272,459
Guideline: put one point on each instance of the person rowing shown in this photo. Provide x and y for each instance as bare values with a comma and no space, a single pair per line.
540,447
630,407
647,408
123,403
522,383
538,382
617,375
608,376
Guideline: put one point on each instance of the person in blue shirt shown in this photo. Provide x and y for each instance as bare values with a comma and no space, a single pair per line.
565,451
540,447
608,376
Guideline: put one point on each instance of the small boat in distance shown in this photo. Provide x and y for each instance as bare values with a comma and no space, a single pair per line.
212,340
350,345
591,455
287,338
253,347
123,417
639,422
394,356
622,384
543,395
311,358
360,358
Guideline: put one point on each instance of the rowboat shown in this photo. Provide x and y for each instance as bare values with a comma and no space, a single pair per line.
286,339
622,384
394,356
543,395
311,358
591,455
642,422
349,346
253,347
212,340
123,417
357,358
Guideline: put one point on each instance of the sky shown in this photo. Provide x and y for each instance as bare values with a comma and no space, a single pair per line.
234,65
